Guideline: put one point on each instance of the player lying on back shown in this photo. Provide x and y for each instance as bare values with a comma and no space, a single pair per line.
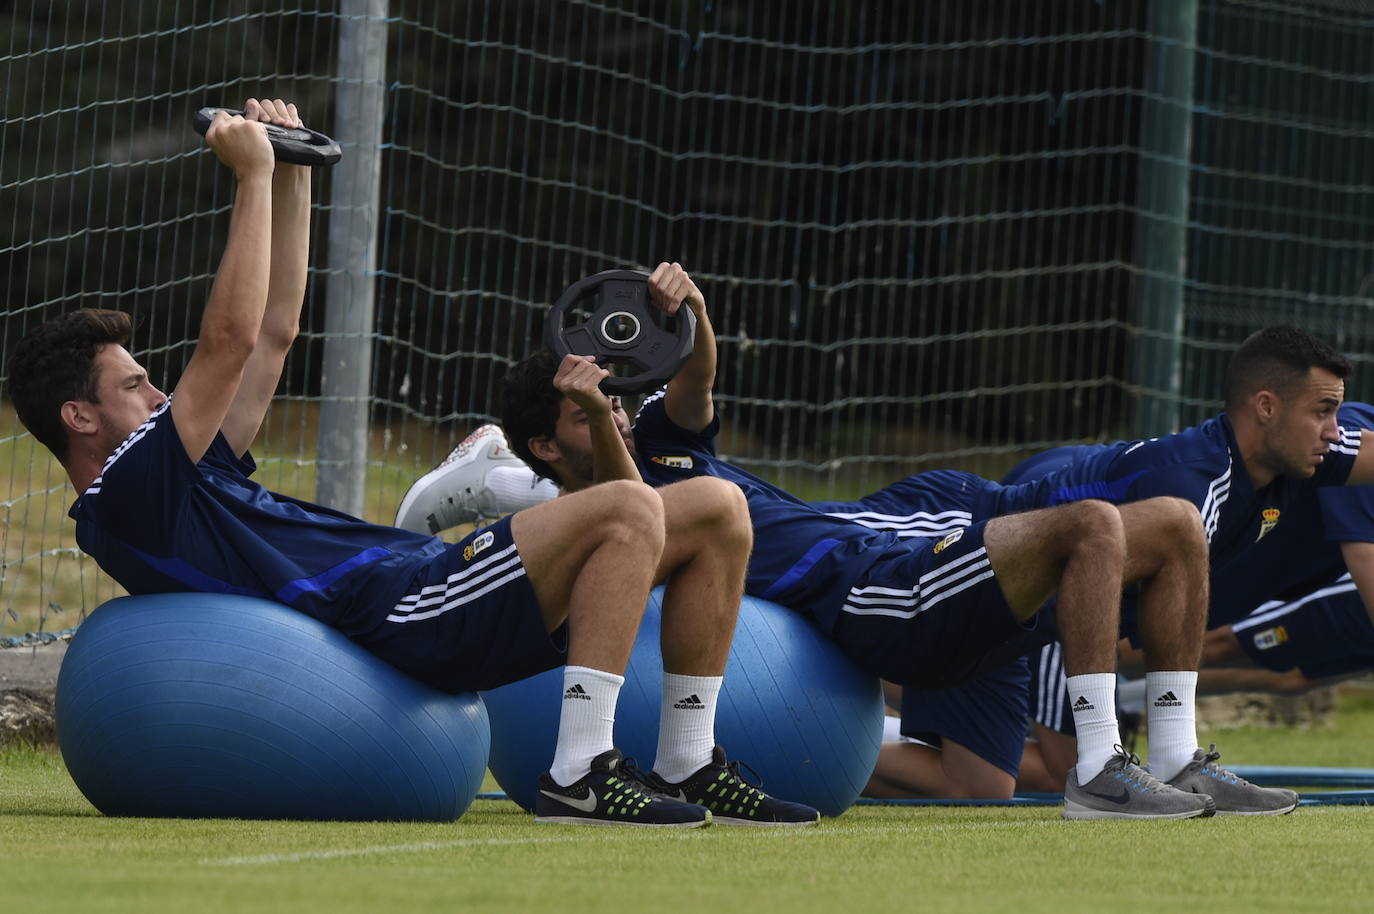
924,610
166,503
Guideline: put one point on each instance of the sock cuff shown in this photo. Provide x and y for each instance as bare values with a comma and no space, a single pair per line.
1170,679
1091,681
684,681
586,672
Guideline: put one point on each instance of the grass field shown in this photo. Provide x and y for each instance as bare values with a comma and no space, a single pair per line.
57,854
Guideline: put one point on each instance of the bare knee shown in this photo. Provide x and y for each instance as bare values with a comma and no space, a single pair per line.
627,513
1160,532
1096,530
714,507
1173,523
1182,520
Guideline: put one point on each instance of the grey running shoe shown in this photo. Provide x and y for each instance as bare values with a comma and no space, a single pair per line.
1124,790
1233,794
455,491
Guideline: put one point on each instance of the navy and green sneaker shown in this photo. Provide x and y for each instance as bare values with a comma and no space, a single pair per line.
731,799
613,793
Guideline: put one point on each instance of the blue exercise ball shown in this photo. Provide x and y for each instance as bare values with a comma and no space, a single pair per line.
793,708
195,705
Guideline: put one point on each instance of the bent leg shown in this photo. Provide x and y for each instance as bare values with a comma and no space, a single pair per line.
705,554
1166,551
591,557
1077,550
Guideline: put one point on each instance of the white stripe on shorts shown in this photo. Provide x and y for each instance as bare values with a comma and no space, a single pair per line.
934,586
461,587
1275,609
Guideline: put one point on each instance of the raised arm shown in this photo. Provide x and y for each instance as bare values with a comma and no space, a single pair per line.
285,289
688,401
577,379
233,315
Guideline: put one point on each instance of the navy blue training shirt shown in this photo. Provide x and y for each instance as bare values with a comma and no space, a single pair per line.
1201,464
157,522
801,556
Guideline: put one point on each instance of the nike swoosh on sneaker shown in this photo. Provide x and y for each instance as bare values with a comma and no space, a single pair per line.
1125,796
679,796
586,804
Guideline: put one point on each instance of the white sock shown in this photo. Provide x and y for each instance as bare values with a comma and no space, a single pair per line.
1170,714
517,488
1092,696
586,722
686,725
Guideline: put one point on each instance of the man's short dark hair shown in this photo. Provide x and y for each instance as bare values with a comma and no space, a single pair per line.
54,363
529,407
1279,359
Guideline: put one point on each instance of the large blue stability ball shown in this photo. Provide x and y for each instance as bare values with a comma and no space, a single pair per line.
793,708
206,705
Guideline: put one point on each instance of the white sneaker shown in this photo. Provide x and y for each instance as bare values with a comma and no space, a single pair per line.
455,492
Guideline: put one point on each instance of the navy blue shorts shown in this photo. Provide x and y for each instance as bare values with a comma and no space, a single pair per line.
1324,633
471,621
927,612
987,715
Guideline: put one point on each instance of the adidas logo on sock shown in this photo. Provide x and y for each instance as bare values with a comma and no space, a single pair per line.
576,691
1168,700
1083,704
690,703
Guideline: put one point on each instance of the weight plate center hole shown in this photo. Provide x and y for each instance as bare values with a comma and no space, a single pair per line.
621,328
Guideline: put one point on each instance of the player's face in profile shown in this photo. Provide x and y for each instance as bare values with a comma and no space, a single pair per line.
573,435
1306,424
127,397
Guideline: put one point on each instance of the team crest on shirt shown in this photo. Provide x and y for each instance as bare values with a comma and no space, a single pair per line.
949,540
1271,637
1269,520
477,545
674,463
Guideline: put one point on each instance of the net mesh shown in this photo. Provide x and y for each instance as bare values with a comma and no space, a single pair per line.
915,224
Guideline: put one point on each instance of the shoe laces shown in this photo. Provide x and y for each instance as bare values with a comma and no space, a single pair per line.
753,784
1134,773
1225,775
634,777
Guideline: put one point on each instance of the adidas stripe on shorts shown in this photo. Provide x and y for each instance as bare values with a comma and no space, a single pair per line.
471,621
927,612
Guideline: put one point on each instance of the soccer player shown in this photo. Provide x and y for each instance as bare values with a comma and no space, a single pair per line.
1286,616
166,504
915,610
1277,447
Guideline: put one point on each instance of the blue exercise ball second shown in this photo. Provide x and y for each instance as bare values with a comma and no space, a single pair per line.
793,708
194,705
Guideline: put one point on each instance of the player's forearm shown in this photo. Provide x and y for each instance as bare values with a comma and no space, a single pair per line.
290,256
1359,561
610,458
233,315
689,403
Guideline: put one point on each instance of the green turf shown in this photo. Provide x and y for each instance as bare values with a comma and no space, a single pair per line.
58,854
